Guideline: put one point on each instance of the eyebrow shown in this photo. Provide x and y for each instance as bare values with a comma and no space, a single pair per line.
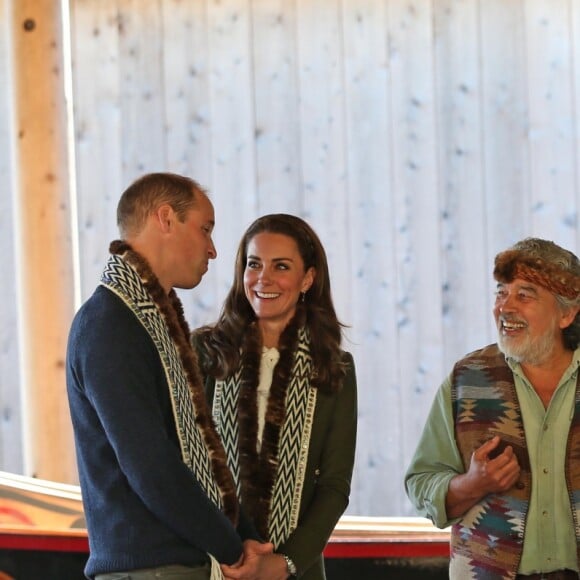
252,257
527,287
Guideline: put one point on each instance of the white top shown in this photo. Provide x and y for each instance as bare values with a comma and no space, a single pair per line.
270,357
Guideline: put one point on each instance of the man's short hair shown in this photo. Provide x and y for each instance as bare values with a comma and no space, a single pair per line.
149,192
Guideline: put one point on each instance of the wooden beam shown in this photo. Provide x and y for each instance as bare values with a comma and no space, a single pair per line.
43,237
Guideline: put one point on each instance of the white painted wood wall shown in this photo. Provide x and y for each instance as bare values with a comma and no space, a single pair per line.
10,420
419,138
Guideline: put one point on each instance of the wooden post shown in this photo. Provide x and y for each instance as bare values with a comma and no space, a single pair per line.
43,237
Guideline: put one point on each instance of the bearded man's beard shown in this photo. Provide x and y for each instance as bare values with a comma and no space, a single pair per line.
525,348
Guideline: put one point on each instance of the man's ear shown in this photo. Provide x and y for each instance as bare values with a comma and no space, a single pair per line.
568,317
164,216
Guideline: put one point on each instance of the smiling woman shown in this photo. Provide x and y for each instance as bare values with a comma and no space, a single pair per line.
275,280
284,392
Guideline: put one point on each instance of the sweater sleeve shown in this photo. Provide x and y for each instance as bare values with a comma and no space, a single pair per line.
435,462
306,543
124,424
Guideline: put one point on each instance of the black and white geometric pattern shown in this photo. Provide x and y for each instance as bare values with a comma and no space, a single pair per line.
124,281
225,416
293,447
293,444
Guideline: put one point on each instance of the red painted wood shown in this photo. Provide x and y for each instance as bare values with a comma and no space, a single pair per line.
369,549
386,550
41,542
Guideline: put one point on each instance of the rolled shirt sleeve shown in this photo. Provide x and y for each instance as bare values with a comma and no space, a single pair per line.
435,462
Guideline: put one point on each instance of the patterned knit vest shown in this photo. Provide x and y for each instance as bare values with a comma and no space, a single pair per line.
487,543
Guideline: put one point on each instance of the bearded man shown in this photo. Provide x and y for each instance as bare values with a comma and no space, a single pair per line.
499,457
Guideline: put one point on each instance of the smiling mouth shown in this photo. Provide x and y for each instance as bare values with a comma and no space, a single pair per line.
267,294
512,326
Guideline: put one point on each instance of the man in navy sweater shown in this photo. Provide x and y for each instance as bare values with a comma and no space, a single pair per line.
158,497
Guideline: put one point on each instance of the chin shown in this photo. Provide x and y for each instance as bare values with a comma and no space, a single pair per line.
510,352
189,284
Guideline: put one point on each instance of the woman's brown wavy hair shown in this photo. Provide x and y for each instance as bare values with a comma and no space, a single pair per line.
219,344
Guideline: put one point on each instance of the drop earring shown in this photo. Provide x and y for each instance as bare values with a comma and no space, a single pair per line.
302,296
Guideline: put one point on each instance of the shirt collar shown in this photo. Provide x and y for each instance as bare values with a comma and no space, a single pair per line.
571,371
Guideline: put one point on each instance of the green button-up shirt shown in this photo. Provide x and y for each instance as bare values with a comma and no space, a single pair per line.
549,541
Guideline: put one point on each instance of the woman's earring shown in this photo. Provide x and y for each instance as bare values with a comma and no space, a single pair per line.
302,296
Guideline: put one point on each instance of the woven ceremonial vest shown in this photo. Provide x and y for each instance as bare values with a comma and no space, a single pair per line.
487,543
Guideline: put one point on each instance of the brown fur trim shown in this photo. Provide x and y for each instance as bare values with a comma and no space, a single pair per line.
513,264
172,311
258,470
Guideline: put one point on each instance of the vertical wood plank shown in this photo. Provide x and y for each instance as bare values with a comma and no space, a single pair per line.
551,132
45,285
417,211
98,131
276,106
372,268
233,157
185,55
10,419
189,132
141,88
465,262
322,135
575,71
505,124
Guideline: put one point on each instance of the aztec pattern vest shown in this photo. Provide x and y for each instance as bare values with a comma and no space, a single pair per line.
487,543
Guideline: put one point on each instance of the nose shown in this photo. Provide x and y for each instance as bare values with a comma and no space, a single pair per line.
264,275
212,252
505,303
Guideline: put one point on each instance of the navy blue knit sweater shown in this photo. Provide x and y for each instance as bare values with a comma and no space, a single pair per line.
143,506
